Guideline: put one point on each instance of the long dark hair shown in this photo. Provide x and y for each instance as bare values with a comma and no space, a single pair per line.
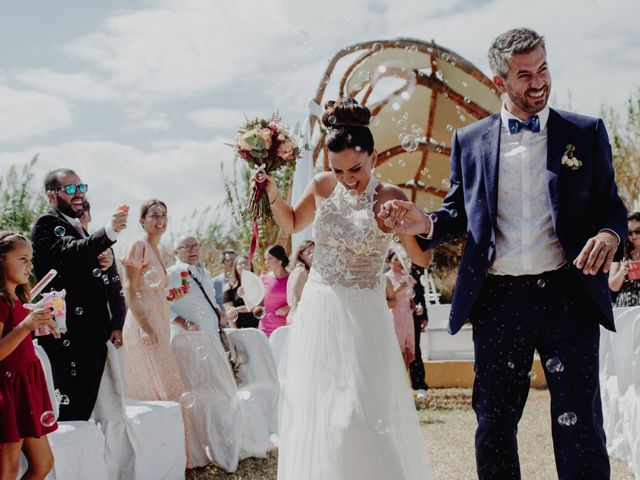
279,252
9,241
628,246
236,280
347,126
303,246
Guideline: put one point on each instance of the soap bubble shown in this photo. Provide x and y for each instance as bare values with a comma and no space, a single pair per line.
411,293
96,272
48,418
409,143
64,400
66,343
568,419
187,400
377,47
541,283
259,312
59,231
79,311
152,278
554,365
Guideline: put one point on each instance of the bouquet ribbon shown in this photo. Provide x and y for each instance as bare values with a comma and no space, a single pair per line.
259,190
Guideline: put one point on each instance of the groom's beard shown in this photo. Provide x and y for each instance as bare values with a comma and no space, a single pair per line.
65,207
528,104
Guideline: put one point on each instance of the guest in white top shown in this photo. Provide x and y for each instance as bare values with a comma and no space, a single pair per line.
197,310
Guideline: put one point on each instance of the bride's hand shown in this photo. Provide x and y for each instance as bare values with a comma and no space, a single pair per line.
404,217
261,177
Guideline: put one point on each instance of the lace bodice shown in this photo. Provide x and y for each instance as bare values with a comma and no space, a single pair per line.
350,247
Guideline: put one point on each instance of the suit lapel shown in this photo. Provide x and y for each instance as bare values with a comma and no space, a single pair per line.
490,156
556,144
72,230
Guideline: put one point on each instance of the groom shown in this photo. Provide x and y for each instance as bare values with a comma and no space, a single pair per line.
533,189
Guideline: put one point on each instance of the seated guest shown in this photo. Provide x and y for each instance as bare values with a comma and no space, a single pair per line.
239,315
298,276
626,290
226,261
196,309
275,289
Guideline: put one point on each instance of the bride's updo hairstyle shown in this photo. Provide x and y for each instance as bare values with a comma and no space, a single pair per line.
347,126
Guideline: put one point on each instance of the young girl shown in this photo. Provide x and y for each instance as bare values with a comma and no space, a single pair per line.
26,415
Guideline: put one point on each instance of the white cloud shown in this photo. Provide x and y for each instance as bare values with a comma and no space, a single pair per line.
147,120
26,114
180,47
79,86
217,118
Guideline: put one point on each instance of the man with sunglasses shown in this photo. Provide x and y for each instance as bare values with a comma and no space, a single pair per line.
61,243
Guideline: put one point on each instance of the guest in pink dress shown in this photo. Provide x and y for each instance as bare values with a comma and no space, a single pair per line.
150,368
275,289
402,284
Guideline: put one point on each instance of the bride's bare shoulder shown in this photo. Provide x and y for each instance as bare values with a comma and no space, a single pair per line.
324,183
388,191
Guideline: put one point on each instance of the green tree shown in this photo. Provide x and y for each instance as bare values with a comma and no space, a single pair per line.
20,202
625,143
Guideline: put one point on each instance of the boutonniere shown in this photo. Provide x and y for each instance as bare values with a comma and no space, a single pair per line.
569,159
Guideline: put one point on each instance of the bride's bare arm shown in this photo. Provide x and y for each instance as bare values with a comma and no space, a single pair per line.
297,218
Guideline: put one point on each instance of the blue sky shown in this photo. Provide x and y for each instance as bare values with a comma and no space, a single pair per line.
140,96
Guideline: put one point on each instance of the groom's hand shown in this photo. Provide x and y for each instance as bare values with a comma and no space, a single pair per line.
404,217
597,251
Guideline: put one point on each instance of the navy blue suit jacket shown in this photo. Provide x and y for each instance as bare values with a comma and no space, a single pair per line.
583,202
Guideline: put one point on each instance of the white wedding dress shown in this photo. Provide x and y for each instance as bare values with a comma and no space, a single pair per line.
347,412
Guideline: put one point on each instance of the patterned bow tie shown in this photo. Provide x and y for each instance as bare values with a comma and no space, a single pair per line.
532,124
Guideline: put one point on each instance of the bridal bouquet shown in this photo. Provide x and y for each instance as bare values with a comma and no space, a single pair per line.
265,145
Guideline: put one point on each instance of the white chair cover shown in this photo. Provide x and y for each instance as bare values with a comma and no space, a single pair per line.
620,386
258,373
216,417
78,446
228,424
145,439
278,343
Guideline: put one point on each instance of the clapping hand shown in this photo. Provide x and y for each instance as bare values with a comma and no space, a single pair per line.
404,217
598,251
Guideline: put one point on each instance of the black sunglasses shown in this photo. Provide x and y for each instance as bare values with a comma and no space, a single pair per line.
71,189
636,231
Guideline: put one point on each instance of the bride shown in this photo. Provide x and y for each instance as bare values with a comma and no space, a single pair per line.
347,412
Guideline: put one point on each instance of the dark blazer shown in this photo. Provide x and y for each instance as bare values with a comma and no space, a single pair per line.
77,358
583,202
76,260
115,296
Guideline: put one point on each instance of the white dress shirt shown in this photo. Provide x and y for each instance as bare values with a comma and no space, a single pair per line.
194,307
526,241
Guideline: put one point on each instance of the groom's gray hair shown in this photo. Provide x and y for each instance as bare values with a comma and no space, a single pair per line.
512,42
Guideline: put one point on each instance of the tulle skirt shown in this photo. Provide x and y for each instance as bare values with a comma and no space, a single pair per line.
347,412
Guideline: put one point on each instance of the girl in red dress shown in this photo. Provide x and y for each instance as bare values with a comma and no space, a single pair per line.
26,416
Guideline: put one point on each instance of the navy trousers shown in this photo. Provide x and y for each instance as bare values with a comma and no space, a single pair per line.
553,314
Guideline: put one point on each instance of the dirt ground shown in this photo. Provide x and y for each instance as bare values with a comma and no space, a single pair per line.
448,424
